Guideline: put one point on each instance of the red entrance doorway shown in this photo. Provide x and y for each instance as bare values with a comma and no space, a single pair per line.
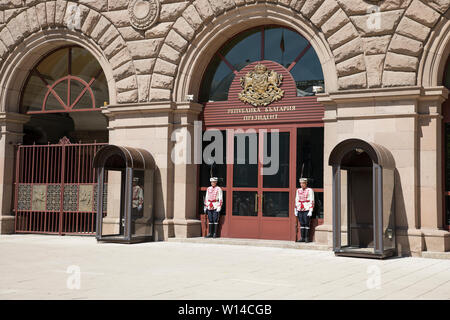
263,79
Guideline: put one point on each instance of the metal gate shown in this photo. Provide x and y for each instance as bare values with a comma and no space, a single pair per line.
56,188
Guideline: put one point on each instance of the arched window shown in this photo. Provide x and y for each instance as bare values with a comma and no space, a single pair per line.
274,43
66,80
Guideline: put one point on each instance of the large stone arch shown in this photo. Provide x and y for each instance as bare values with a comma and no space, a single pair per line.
419,39
436,52
196,32
36,30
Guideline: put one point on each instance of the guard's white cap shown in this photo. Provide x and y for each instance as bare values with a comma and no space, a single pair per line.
214,179
303,180
135,179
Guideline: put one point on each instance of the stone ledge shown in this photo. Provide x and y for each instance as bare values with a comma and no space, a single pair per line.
255,242
436,255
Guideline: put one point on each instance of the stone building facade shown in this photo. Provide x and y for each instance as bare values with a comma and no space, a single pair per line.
383,64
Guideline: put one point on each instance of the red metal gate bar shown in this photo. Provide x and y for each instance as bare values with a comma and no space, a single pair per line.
49,170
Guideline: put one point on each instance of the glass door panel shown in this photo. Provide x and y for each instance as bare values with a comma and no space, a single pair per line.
275,204
245,203
245,168
276,159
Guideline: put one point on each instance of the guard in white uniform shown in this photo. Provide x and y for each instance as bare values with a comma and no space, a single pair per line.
212,206
304,206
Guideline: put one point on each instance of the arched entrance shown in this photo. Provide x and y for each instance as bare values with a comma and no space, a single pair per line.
259,103
55,183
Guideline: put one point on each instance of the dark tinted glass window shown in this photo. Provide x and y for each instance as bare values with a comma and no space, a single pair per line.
310,156
281,178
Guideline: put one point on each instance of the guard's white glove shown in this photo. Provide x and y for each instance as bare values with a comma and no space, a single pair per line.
295,212
204,209
140,207
310,213
218,209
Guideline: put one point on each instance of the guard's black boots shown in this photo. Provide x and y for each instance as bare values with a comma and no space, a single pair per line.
302,233
210,225
215,230
306,235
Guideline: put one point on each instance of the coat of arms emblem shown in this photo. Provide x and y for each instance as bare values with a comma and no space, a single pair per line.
261,87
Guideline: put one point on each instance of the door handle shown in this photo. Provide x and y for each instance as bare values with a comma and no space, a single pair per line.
256,202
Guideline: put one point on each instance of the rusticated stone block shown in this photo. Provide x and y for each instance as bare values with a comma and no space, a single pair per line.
126,84
192,17
130,34
378,23
18,27
230,4
159,31
374,66
413,29
144,66
310,7
60,12
347,33
351,66
90,22
355,81
217,6
107,38
124,71
115,46
439,5
405,45
348,50
184,29
325,11
33,22
6,38
336,22
144,48
9,4
99,5
41,14
143,87
117,4
165,68
3,50
376,44
100,28
204,9
73,13
176,41
159,94
422,13
170,54
162,81
297,4
400,62
397,78
170,11
119,18
50,7
128,97
121,57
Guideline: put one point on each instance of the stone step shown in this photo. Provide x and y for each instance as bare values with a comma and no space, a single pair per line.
436,255
254,242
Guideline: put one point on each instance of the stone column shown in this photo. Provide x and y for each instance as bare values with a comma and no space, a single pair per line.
148,126
185,221
388,117
11,135
431,169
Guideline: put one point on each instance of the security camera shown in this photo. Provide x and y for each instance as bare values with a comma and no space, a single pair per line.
190,97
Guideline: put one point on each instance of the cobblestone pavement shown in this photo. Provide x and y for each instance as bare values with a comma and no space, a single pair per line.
47,267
